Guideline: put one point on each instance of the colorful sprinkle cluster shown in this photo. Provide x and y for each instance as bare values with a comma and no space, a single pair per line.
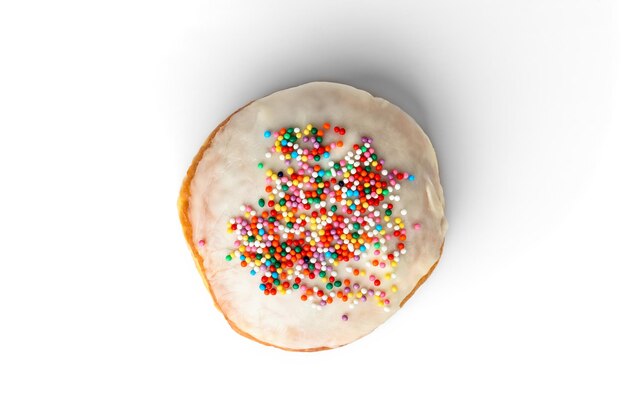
319,217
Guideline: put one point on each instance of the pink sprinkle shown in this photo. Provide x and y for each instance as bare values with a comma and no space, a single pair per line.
417,226
344,317
201,243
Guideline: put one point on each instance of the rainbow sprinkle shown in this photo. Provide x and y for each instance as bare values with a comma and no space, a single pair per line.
318,217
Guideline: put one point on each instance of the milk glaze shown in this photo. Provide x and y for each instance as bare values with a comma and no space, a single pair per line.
227,176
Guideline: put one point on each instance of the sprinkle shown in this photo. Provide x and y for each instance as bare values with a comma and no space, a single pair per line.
344,317
201,243
318,214
417,226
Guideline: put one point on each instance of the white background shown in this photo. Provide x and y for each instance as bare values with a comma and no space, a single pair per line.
104,104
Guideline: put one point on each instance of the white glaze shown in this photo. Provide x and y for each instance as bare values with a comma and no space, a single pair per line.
227,177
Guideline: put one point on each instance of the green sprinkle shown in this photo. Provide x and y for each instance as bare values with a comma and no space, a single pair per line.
261,202
260,165
229,257
329,286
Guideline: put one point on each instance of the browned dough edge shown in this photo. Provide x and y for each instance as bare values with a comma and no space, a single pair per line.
183,213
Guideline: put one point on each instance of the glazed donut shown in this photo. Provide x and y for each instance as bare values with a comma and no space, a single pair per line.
313,214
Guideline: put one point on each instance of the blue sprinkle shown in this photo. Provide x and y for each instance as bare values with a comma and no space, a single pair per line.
328,254
268,263
283,142
326,155
321,173
242,257
379,227
362,248
411,177
294,154
261,232
262,287
252,273
353,206
274,275
267,134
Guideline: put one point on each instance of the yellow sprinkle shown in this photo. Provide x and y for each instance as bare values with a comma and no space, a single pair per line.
324,279
305,179
290,170
309,126
393,264
362,273
270,197
386,218
306,132
350,295
365,205
401,225
268,173
279,137
380,303
305,158
230,231
280,287
257,263
298,135
387,276
394,288
398,220
379,191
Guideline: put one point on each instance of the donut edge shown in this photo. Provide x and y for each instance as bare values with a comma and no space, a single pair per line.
183,213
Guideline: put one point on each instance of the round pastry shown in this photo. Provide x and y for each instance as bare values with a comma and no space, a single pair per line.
313,214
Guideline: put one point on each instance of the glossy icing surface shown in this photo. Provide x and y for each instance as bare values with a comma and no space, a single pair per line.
228,176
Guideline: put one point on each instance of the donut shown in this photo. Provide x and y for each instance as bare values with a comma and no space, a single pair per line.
313,214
